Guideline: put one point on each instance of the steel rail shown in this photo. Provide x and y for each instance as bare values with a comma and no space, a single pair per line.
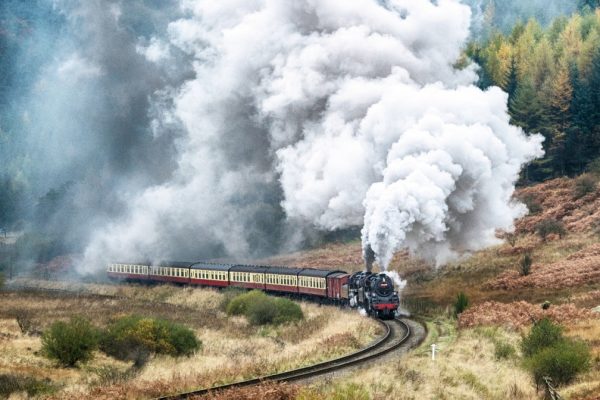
333,365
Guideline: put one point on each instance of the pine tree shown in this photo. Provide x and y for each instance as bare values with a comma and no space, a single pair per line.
526,109
578,134
511,80
560,100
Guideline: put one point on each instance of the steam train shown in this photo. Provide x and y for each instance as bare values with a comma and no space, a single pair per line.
373,292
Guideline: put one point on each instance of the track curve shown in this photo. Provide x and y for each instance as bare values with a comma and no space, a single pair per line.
397,333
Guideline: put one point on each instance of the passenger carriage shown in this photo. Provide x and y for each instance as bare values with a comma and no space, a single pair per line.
313,282
281,279
128,271
247,276
172,271
209,274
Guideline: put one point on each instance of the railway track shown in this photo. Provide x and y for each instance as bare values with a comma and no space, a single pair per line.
397,333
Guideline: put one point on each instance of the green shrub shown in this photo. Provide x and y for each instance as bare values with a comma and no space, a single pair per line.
261,309
548,226
461,303
135,338
585,184
239,304
287,311
11,383
70,342
562,362
229,294
525,264
543,334
503,350
1,280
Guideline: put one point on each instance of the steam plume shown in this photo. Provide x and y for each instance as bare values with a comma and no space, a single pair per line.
230,127
354,110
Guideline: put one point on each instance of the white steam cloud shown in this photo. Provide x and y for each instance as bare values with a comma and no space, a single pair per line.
354,110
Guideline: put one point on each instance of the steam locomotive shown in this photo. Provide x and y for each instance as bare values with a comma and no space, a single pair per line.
372,292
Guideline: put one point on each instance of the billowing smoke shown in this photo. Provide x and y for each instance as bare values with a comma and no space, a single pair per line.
242,125
369,256
355,109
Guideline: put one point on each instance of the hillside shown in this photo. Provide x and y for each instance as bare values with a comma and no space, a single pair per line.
489,273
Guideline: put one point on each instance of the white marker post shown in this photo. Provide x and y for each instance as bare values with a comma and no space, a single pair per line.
433,352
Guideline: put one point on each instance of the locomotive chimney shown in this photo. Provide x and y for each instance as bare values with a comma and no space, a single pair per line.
369,256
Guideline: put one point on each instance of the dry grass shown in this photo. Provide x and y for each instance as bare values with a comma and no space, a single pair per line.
556,198
465,368
518,314
578,269
267,391
232,349
555,262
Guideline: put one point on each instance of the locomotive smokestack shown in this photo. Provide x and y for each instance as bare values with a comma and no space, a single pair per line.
369,256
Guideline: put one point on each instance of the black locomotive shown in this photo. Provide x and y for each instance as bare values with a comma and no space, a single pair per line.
374,293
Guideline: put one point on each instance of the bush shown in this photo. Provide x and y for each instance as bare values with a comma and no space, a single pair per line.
239,304
585,184
562,362
461,303
134,338
543,334
511,238
550,354
548,226
10,383
287,311
229,294
532,204
70,342
261,309
525,264
503,350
